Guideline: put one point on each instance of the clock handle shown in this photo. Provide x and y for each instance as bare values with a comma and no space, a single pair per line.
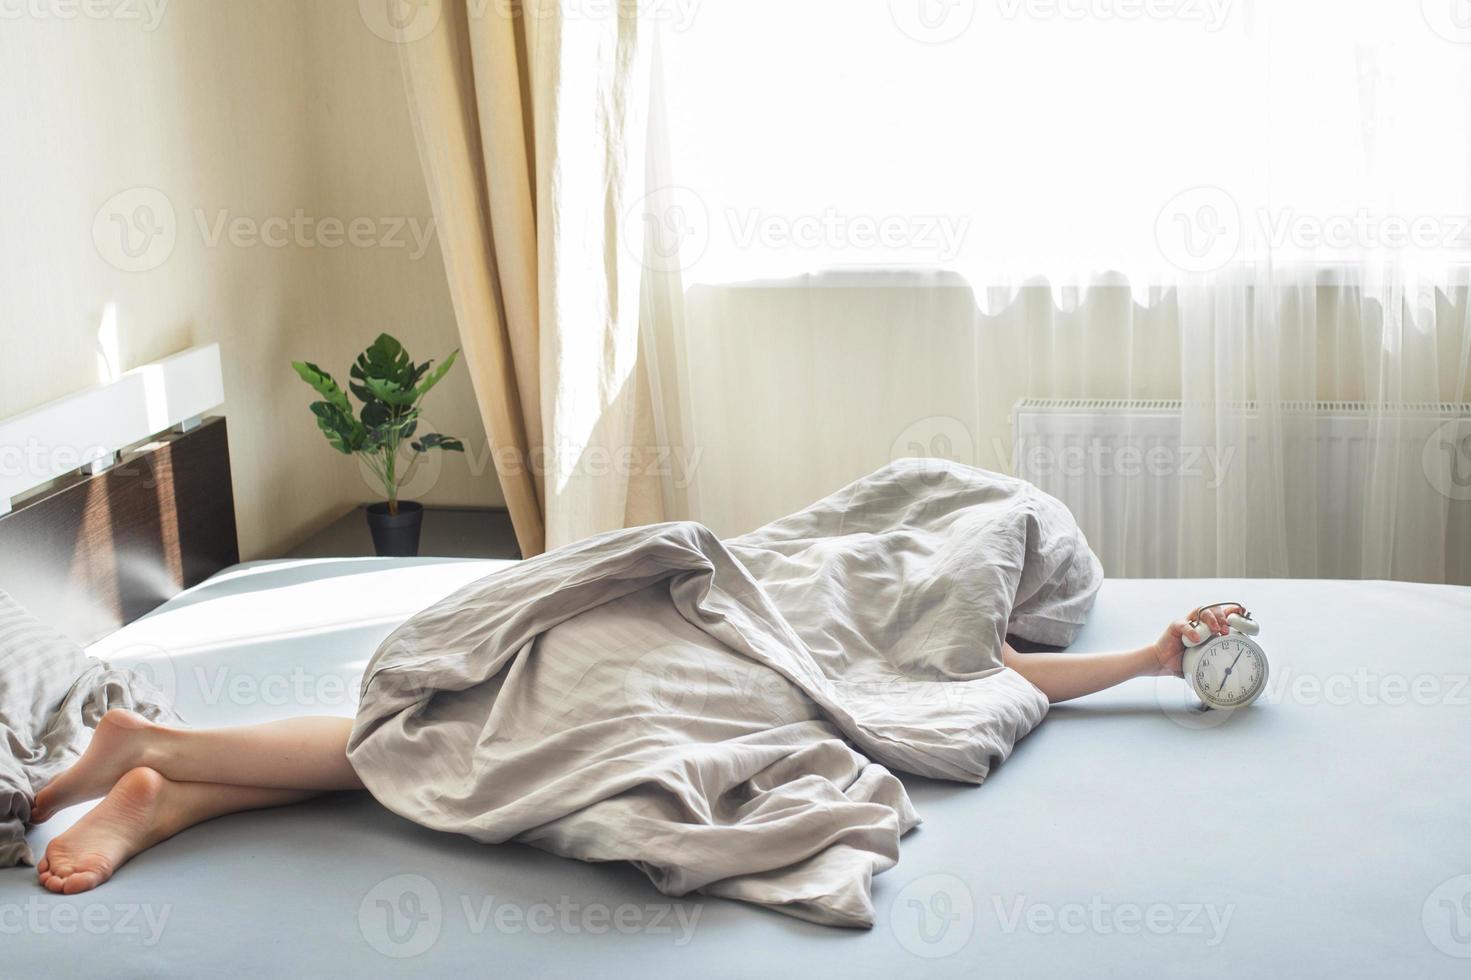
1243,624
1197,632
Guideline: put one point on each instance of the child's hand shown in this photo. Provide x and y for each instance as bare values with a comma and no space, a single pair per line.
1169,650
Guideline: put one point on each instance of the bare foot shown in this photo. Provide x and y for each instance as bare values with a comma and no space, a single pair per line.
128,821
115,749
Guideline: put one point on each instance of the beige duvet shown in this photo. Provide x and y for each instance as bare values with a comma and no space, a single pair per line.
726,715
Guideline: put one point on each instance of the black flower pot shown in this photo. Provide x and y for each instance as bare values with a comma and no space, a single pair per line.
396,535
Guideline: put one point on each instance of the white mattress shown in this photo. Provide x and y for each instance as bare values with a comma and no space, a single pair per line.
1323,832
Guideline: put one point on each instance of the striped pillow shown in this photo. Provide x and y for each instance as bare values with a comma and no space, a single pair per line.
51,695
38,666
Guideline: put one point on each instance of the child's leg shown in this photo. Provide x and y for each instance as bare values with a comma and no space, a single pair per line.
299,754
142,809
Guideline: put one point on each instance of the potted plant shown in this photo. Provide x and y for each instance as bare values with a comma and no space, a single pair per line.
392,389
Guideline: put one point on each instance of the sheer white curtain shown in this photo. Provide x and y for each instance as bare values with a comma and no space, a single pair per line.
874,226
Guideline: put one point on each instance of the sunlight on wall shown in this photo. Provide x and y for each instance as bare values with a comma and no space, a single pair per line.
109,358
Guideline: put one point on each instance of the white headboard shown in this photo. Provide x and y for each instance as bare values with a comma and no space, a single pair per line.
88,430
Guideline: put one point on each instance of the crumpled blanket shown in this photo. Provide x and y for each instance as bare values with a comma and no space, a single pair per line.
51,697
725,715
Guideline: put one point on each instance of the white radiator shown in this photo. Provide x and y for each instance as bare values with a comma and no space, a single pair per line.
1337,490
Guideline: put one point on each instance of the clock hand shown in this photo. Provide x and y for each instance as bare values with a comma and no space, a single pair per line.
1227,675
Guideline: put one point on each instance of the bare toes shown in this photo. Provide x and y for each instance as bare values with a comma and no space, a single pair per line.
82,881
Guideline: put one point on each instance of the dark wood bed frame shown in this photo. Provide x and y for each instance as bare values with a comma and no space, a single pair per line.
93,553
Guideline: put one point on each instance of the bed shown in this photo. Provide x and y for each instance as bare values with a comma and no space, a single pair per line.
1323,831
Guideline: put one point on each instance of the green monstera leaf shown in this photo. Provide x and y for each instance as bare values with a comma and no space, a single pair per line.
437,441
391,388
385,366
346,434
438,374
324,384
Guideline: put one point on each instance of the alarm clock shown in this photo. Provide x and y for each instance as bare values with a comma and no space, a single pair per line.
1226,672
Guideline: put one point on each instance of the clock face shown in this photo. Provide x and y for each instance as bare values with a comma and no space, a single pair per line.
1231,672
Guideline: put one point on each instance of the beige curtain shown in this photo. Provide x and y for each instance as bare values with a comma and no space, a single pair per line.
532,127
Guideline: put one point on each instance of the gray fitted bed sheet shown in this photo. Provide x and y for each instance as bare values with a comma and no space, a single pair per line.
1326,831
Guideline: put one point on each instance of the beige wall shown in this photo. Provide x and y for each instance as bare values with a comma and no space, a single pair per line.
250,109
